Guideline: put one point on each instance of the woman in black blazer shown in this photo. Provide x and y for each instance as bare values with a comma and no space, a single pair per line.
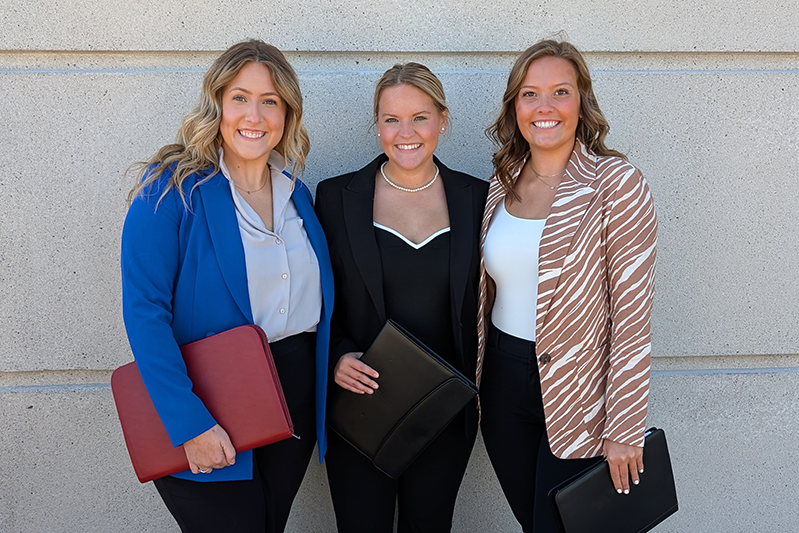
403,236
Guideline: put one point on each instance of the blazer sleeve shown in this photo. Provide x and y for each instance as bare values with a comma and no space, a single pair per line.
151,259
630,238
329,208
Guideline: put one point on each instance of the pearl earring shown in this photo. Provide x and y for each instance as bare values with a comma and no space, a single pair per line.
378,135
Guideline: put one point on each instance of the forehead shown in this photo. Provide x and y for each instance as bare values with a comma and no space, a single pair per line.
404,98
255,77
550,70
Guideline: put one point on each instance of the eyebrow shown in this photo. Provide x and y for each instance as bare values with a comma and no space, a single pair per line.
242,89
417,113
556,85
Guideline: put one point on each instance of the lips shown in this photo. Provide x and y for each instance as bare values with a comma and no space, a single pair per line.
546,124
252,134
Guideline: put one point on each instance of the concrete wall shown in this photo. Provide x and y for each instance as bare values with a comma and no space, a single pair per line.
703,96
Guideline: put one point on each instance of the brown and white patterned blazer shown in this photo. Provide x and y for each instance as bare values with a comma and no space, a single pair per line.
596,272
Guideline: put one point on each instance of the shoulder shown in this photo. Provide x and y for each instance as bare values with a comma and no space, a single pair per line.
361,180
479,186
335,183
615,174
163,186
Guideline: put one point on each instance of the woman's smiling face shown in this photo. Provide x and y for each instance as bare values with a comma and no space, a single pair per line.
253,116
548,105
409,124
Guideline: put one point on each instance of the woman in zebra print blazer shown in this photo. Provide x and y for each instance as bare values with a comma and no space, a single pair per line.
566,286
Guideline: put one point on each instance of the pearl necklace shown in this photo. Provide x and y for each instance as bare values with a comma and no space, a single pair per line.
417,189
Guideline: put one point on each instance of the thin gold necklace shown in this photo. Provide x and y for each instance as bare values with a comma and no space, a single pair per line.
542,176
269,169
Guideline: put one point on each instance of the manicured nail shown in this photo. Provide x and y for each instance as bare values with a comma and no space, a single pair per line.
626,491
641,471
618,490
635,482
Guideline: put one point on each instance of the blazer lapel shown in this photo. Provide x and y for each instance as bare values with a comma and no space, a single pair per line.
303,202
358,199
461,223
568,212
220,214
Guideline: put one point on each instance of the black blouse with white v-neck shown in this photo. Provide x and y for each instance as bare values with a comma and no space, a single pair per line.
416,287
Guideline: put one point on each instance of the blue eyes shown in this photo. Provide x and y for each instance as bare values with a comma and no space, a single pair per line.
531,94
415,119
241,98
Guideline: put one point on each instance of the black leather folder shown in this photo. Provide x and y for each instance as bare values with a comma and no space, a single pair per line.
419,394
588,502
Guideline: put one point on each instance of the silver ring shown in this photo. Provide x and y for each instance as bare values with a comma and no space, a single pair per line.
204,471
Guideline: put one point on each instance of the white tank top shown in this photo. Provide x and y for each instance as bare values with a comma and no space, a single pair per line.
511,259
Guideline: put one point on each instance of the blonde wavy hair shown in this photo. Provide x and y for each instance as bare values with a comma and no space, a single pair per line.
196,147
592,127
416,75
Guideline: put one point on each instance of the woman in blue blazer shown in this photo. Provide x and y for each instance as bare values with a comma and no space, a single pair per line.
219,234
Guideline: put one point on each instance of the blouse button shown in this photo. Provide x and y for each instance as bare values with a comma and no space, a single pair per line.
285,276
282,311
545,358
278,241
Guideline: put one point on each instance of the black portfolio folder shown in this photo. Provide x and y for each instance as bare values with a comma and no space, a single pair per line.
419,395
588,502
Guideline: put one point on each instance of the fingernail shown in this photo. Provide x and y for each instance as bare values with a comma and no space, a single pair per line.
635,482
641,471
626,491
618,490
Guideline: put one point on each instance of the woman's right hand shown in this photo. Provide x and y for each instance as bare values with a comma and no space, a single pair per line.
209,450
354,375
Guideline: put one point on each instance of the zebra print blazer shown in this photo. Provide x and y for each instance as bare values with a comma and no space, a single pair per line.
596,273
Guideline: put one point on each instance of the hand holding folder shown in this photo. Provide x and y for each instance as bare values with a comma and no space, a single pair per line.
233,374
419,395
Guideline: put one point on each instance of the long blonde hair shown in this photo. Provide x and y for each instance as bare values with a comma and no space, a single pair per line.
592,127
196,147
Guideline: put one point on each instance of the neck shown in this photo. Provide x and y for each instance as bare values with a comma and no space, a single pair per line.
545,162
411,179
248,175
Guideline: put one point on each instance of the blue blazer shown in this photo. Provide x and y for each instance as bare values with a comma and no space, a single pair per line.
184,278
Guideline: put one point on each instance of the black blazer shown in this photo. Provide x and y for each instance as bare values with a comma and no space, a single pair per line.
344,206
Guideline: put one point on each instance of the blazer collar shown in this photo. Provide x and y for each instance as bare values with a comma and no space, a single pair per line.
462,225
572,200
358,199
220,214
358,202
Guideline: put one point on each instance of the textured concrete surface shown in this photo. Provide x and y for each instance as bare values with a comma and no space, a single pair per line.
456,25
64,466
719,161
704,98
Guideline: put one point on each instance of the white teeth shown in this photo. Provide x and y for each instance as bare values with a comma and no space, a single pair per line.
252,134
408,146
546,124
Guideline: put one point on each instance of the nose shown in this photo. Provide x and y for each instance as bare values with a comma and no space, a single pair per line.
406,129
254,112
545,104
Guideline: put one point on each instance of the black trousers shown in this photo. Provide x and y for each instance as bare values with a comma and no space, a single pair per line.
514,431
263,503
364,498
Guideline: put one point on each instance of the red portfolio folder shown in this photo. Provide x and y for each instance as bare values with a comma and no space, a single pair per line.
233,374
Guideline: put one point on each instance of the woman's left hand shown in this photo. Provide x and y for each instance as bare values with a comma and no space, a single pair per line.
625,463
